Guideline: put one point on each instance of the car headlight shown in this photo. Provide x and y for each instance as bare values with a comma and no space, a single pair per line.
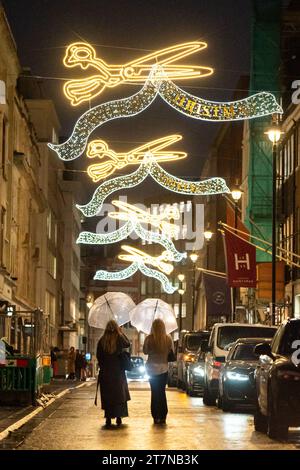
237,376
289,375
142,369
198,371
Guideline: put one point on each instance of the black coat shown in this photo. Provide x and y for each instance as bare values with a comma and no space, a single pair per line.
113,382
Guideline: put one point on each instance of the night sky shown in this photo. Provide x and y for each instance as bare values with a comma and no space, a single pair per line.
123,30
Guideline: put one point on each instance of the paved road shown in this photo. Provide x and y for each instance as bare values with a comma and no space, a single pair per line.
73,422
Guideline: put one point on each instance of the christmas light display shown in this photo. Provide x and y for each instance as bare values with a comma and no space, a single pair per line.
149,166
136,255
260,104
136,214
109,76
102,275
124,232
139,259
95,117
114,161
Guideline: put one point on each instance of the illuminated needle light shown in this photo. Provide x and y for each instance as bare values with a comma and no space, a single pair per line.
109,76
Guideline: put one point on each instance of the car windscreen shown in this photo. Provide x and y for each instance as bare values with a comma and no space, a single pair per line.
229,334
244,352
193,342
291,336
137,361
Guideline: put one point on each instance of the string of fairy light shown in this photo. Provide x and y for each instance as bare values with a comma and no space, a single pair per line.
157,72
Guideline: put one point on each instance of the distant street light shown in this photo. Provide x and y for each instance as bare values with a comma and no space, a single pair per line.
181,291
236,194
193,258
274,134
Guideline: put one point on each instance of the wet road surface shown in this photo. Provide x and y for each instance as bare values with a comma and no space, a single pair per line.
73,422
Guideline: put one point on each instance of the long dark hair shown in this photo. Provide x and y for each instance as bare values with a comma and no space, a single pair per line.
110,337
158,338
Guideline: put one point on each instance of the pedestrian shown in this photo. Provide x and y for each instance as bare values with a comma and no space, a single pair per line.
83,365
53,361
71,363
78,362
112,379
158,346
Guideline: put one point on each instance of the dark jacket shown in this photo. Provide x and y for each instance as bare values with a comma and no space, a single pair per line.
113,383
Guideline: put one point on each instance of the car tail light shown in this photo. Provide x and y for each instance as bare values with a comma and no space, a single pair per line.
217,364
289,375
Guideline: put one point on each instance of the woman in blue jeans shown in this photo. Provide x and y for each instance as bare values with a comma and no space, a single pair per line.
157,346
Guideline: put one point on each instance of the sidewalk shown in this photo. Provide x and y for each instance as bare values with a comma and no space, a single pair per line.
9,415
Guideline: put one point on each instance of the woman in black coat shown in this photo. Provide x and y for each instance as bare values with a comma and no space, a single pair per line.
113,383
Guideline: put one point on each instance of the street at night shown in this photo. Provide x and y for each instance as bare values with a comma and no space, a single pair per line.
149,230
74,422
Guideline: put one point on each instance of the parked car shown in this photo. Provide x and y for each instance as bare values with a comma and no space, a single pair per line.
188,345
138,371
195,375
278,382
236,381
217,350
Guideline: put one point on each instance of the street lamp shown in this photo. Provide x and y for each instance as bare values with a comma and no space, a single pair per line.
207,235
181,291
274,134
236,194
193,258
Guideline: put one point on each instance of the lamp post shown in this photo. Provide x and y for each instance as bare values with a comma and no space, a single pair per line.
236,194
274,135
180,292
207,235
193,258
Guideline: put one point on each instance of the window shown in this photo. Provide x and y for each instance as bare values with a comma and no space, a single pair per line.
4,149
50,306
51,265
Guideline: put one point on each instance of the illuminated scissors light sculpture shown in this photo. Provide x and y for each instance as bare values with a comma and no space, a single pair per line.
109,76
139,260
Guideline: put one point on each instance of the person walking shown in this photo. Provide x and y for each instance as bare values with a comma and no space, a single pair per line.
71,363
112,379
157,346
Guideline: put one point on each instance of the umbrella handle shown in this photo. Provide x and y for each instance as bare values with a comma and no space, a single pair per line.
155,311
109,305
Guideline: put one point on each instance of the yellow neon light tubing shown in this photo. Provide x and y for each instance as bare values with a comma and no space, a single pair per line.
109,76
115,161
139,256
156,220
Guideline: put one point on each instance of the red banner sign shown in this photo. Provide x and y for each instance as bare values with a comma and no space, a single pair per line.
241,261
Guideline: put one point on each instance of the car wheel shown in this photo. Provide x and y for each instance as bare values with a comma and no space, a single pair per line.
260,421
275,429
226,404
208,399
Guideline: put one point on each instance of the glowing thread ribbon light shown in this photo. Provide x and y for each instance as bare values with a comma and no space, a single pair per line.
134,217
114,161
139,260
95,117
254,106
149,166
260,104
136,71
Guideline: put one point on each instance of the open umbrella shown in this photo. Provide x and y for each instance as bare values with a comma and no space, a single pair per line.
145,312
110,306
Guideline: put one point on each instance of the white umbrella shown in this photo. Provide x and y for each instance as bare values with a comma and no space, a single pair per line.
144,313
110,306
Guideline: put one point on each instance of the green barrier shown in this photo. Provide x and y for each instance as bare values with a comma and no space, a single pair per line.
21,380
47,375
